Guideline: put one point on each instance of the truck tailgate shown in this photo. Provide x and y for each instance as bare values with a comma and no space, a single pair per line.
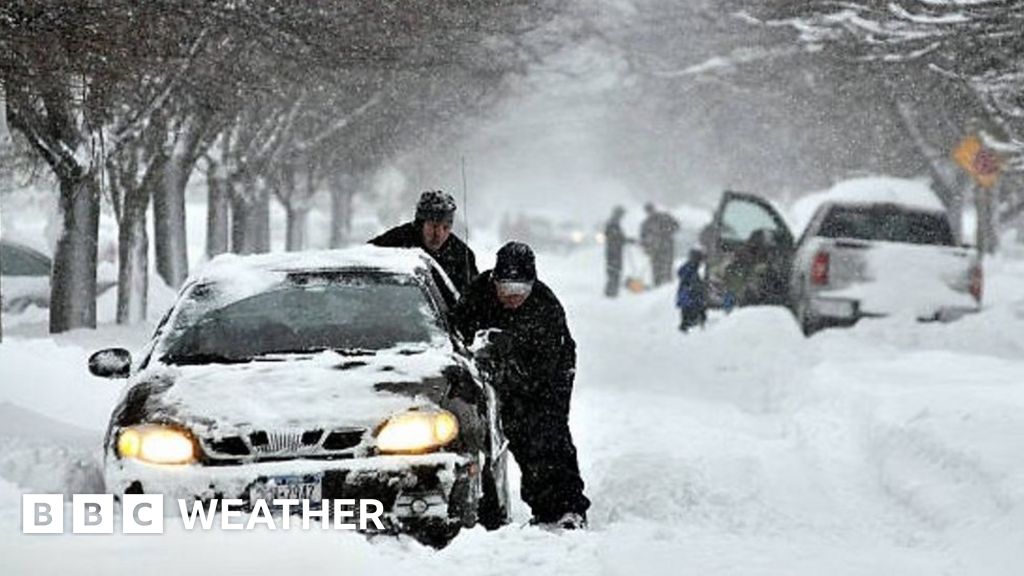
889,278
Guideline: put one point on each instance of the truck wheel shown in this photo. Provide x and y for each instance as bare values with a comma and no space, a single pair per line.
808,324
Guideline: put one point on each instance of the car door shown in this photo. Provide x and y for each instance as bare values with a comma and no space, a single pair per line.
749,250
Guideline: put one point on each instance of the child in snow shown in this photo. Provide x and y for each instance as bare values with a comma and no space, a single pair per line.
690,297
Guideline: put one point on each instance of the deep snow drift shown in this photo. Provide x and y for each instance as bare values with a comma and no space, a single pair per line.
893,447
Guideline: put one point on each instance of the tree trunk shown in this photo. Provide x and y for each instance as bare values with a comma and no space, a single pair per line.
262,222
949,190
987,236
73,277
295,239
170,238
218,215
133,259
342,193
250,221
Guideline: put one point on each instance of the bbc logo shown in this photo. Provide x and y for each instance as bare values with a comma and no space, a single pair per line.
92,514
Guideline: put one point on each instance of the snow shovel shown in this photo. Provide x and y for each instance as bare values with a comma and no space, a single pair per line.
634,282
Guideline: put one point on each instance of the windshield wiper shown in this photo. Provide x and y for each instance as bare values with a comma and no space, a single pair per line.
353,351
205,358
317,350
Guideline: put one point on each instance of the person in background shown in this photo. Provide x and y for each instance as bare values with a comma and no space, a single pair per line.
615,241
657,238
691,296
534,383
431,230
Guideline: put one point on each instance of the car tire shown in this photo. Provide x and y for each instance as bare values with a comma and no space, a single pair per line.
493,512
808,324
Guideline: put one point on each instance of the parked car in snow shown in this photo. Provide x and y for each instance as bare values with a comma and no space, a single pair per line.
860,259
861,255
546,234
25,277
323,375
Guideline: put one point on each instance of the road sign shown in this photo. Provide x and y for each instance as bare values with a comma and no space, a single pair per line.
983,164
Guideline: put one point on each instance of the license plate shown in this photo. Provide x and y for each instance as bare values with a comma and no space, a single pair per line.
834,308
309,487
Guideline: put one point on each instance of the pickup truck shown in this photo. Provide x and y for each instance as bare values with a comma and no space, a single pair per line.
856,258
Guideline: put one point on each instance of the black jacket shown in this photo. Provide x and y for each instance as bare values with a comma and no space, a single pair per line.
542,349
456,259
614,241
656,232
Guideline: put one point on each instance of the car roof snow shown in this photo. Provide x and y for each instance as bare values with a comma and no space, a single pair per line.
228,267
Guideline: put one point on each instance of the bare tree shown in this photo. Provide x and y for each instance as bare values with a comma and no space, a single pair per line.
971,50
139,93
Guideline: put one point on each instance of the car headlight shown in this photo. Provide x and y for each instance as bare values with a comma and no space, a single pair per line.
157,444
415,432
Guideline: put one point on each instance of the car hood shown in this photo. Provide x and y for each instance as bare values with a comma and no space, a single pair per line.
298,392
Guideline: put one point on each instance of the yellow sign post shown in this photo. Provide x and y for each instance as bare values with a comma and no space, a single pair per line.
983,164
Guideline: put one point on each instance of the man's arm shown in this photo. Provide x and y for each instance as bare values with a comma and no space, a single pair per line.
473,271
396,237
466,315
546,358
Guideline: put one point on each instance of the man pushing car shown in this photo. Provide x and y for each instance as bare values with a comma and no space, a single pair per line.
535,386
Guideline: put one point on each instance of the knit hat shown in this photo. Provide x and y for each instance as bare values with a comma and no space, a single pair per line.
515,263
435,206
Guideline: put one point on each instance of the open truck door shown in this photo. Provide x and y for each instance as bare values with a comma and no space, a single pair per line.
749,250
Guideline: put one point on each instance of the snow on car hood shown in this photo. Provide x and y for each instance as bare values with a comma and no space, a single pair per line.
315,391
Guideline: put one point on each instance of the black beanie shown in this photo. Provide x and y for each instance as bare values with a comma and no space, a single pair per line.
515,263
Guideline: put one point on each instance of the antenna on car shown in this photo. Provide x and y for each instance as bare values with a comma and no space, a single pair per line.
465,200
465,214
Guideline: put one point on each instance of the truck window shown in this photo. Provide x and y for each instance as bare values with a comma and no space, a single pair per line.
887,224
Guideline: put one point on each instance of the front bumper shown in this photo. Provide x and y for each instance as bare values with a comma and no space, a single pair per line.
414,490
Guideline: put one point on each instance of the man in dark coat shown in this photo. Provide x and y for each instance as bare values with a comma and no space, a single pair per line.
431,230
657,238
535,386
615,241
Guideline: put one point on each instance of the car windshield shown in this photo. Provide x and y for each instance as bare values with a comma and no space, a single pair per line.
887,223
339,315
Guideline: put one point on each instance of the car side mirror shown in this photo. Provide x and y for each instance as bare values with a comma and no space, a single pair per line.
111,363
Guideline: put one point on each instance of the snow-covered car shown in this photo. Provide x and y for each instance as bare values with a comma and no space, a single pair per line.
322,375
862,259
869,253
25,277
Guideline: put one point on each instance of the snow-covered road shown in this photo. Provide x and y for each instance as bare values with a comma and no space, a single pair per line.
894,447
